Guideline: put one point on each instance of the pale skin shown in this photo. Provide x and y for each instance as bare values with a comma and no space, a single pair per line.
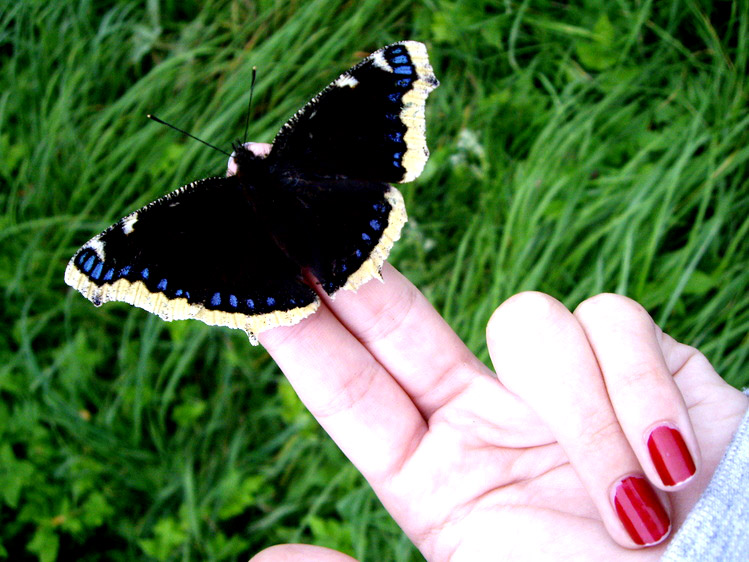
519,464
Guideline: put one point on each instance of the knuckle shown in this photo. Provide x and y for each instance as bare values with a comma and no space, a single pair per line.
350,391
640,376
390,316
694,359
604,432
596,432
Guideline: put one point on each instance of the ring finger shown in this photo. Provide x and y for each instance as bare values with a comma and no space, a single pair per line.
644,395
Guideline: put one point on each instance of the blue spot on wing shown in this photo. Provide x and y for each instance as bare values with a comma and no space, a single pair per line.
162,285
96,273
145,273
81,258
125,271
109,274
271,301
365,237
233,301
403,82
395,137
395,97
178,293
89,264
357,253
250,304
401,59
405,69
375,224
216,299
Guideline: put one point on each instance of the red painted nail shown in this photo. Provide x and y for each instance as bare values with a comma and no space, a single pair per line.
640,511
670,455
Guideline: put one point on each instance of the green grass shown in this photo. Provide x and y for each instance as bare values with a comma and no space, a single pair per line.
576,148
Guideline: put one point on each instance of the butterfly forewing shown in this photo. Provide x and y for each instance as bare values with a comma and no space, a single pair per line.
200,252
368,124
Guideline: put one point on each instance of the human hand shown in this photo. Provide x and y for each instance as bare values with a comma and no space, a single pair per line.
475,468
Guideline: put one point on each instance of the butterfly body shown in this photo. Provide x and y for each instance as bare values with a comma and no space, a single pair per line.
237,251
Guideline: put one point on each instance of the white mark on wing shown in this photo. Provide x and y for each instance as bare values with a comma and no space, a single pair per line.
97,246
129,222
378,59
346,81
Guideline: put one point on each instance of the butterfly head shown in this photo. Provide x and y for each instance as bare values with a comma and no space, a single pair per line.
245,155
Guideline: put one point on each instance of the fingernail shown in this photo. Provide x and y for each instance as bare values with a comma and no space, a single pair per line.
640,511
670,455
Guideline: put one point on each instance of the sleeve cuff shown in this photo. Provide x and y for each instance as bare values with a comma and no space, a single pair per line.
717,528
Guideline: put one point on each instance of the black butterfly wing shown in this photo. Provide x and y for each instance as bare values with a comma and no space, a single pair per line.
334,157
368,124
341,230
203,252
357,233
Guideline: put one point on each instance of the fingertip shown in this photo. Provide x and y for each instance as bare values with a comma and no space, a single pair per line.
300,553
523,313
641,510
261,149
604,307
673,462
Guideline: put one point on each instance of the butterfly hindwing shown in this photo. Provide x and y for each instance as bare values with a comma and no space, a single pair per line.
368,124
340,229
200,252
358,245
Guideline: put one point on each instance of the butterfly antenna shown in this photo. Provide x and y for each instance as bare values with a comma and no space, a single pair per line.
154,118
249,106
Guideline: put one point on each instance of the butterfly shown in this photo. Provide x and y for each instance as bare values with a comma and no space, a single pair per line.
238,251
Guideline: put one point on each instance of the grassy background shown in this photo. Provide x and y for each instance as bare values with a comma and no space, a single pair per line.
577,148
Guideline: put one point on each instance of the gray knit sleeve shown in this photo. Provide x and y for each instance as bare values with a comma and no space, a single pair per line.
717,528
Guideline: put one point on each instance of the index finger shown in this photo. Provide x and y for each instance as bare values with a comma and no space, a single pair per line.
354,398
404,332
